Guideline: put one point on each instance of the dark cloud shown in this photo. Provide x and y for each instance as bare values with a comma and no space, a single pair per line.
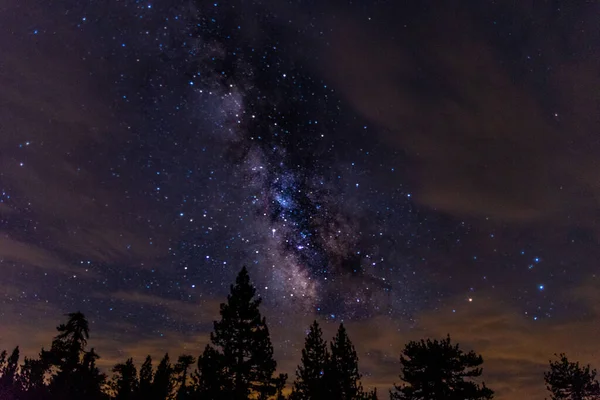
483,140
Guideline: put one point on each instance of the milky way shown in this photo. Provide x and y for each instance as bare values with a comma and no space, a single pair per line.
408,168
259,140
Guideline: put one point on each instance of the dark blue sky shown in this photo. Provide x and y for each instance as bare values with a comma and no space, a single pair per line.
409,170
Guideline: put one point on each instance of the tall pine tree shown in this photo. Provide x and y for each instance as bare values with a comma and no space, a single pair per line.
341,375
76,375
243,339
309,383
438,370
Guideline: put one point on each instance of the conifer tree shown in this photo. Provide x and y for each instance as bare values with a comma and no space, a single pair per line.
309,383
31,378
568,380
342,375
212,381
125,380
88,382
8,369
76,374
242,337
162,385
438,370
183,364
146,377
68,346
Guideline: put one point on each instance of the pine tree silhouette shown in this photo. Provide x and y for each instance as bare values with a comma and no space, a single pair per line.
309,383
31,379
162,385
146,377
438,370
242,337
76,372
568,380
88,380
212,382
125,381
8,368
341,375
184,362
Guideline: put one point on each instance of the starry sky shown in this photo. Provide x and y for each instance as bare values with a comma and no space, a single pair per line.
408,168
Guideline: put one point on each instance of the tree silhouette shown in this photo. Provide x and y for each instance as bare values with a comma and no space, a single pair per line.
88,381
8,368
568,380
341,375
309,383
438,370
212,381
125,381
146,376
75,373
242,337
31,378
183,364
371,395
162,385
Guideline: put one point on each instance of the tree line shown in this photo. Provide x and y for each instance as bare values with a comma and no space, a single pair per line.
238,364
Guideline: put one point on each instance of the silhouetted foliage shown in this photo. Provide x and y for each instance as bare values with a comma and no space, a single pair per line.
125,381
341,374
146,377
89,381
568,380
9,387
438,370
211,379
310,383
162,385
184,362
371,395
31,379
242,337
75,375
238,364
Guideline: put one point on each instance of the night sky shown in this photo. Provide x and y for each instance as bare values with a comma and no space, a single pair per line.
409,168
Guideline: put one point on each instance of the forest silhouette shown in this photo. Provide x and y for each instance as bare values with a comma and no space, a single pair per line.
238,364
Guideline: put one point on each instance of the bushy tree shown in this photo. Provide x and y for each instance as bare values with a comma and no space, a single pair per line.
568,380
310,383
439,370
